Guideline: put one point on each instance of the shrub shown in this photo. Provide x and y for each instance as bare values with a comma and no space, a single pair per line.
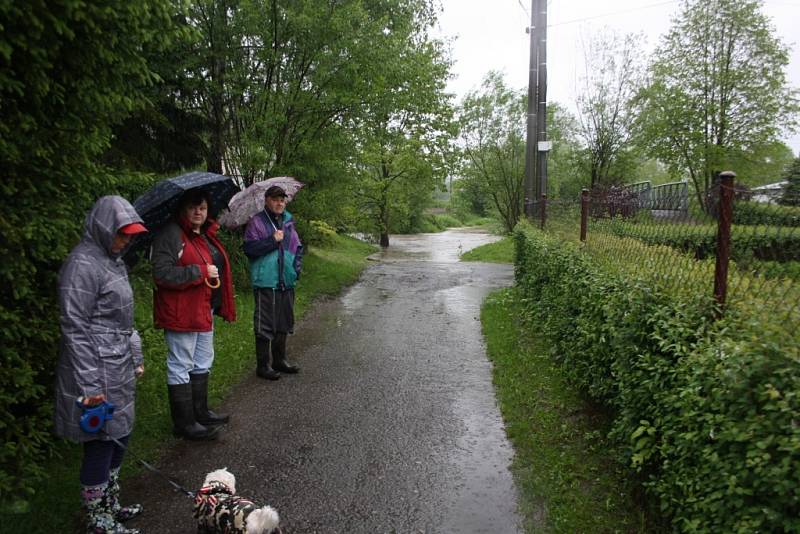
447,221
71,70
756,213
767,243
315,233
704,411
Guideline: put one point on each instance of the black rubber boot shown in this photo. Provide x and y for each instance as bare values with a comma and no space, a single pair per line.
263,368
184,424
279,361
202,414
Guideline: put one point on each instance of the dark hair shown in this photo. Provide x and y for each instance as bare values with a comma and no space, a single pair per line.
193,197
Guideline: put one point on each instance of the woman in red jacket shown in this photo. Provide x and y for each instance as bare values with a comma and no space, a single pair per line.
193,282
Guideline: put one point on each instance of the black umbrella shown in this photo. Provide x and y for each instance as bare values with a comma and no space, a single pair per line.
159,204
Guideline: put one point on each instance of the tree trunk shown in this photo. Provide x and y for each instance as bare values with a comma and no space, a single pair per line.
217,97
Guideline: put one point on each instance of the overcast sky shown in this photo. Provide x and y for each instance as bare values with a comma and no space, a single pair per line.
490,34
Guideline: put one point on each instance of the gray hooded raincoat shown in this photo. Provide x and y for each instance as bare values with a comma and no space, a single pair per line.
99,347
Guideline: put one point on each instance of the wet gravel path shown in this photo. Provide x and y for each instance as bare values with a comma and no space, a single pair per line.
391,426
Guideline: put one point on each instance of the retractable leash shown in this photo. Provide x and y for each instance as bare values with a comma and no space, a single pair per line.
94,419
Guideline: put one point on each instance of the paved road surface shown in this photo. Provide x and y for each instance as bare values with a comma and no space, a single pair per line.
391,426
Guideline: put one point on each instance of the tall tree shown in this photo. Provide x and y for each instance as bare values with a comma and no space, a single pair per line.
403,132
492,122
567,159
612,79
69,71
791,195
717,90
307,68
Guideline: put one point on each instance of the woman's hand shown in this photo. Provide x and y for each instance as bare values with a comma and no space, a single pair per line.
213,272
139,371
94,400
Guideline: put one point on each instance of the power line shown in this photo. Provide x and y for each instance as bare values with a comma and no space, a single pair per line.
524,8
612,13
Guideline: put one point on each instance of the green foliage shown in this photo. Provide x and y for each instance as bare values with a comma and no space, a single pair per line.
777,269
755,213
131,185
566,161
492,124
791,195
563,459
606,114
760,242
718,93
316,233
69,71
764,163
704,411
501,251
444,221
404,134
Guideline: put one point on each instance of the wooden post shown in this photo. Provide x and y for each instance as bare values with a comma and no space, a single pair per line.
584,213
723,238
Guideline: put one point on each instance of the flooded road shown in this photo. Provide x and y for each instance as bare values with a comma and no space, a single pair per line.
392,424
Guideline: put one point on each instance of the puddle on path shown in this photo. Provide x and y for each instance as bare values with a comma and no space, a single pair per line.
442,247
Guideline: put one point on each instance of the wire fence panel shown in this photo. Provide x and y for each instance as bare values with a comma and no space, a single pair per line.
662,235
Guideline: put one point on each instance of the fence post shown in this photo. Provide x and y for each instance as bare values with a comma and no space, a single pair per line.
723,238
584,212
544,210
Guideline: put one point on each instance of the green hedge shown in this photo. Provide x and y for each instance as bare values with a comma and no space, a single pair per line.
768,243
755,213
705,411
71,70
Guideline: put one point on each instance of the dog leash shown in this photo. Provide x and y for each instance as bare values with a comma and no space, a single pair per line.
163,475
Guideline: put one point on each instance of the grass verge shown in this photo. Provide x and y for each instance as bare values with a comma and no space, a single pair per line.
326,270
501,251
566,475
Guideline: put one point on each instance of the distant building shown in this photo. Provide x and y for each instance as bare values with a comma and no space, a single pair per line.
769,193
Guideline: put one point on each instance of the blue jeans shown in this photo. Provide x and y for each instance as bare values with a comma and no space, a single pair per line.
188,352
99,458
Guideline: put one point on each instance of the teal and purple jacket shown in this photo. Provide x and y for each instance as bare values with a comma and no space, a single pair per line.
273,265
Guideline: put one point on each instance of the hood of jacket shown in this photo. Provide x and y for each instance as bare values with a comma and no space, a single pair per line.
104,220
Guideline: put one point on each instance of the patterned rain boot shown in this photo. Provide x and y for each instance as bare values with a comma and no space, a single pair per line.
121,513
99,515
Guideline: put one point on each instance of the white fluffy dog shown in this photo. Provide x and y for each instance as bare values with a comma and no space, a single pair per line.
218,510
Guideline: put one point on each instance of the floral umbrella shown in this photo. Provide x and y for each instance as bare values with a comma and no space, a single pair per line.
250,201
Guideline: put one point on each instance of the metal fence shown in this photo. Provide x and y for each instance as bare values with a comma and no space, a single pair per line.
743,253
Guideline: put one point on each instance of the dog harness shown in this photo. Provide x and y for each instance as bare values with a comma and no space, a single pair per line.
217,509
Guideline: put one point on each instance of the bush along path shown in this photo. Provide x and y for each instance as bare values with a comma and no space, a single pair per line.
705,412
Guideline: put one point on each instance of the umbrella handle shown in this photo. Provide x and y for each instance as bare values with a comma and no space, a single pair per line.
214,285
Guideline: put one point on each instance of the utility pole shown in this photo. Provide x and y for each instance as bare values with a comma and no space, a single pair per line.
543,146
532,123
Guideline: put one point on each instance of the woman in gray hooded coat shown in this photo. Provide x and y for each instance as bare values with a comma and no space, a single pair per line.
100,356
